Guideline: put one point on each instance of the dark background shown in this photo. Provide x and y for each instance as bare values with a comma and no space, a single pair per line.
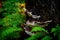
48,9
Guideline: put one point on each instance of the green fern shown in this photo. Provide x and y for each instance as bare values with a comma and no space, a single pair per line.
46,38
36,36
13,19
55,30
38,28
10,30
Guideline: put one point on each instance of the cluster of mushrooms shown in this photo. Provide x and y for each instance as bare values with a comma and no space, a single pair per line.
33,20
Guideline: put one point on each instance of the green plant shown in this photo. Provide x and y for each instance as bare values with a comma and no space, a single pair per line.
12,18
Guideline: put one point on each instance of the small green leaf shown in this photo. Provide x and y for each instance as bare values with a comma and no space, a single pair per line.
53,29
46,38
38,29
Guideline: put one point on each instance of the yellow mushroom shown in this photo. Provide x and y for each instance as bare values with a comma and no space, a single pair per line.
22,5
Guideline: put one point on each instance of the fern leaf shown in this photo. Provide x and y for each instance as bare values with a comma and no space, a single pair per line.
46,38
38,29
